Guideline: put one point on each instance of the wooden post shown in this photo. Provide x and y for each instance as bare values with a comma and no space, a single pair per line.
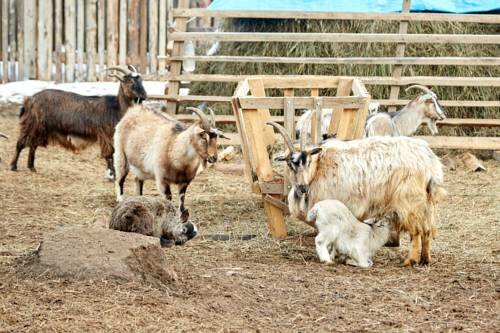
101,36
44,40
91,38
122,56
176,66
29,31
162,38
58,39
289,122
5,41
70,38
12,39
80,35
133,33
400,52
143,37
112,32
20,39
343,89
257,89
153,36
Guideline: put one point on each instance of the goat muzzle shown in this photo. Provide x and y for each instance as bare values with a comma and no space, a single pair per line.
212,159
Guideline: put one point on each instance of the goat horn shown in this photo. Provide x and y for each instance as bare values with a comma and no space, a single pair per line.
125,71
303,130
203,117
284,134
4,136
132,68
212,116
420,87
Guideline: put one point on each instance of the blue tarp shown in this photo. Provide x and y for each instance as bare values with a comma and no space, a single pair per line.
378,6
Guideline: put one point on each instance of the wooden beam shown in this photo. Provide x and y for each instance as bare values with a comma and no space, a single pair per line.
257,90
335,37
300,102
455,142
430,17
398,60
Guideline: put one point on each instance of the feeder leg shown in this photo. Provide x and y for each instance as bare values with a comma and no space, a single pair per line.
275,220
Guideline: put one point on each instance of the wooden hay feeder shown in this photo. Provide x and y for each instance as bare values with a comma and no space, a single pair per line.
251,108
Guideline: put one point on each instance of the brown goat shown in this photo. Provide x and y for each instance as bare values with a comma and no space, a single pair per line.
75,121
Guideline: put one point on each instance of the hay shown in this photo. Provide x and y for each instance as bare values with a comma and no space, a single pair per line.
297,49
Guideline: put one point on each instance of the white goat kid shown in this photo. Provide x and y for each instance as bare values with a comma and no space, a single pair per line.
340,231
423,109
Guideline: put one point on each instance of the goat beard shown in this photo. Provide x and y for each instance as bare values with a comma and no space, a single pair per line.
297,204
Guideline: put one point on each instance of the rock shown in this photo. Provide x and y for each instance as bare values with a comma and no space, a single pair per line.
96,254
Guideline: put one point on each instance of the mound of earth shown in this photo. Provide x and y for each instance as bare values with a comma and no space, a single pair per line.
102,254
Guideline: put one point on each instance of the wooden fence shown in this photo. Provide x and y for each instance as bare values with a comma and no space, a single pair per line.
180,36
73,40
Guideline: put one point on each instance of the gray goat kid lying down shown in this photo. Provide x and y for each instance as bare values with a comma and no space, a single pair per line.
423,109
155,217
340,231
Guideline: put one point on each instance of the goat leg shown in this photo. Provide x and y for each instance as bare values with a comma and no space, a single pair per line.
139,185
19,147
182,195
110,171
31,159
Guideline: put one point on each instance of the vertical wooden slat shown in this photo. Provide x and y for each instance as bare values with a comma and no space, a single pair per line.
400,52
112,32
153,36
176,66
133,32
257,90
80,39
122,56
5,41
101,35
162,38
29,32
314,118
44,65
20,39
12,39
343,89
143,37
316,134
90,32
58,39
70,38
289,122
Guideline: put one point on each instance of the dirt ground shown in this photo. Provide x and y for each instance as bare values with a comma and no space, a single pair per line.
237,286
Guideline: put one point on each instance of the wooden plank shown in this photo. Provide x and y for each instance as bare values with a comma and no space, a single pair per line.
300,102
455,142
257,90
101,36
400,52
70,38
335,37
431,17
289,124
20,39
29,32
199,98
162,38
176,66
58,34
112,32
367,80
80,40
44,40
90,34
343,116
133,32
153,36
397,60
143,37
12,39
5,41
122,48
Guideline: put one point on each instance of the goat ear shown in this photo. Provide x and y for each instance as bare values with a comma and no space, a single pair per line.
315,151
199,130
185,216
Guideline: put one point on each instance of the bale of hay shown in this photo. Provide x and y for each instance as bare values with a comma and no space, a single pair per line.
299,49
102,254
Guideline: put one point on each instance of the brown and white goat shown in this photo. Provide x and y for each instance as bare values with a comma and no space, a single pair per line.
75,121
377,176
155,146
424,108
155,217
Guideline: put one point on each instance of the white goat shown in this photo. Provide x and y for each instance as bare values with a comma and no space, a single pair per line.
340,231
156,146
326,117
378,176
424,108
153,217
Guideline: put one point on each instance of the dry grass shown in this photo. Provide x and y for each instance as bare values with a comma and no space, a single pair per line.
233,286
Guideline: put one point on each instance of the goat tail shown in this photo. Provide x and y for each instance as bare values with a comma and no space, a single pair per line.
26,107
435,192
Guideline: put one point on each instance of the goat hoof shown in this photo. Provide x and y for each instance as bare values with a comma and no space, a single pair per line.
13,168
410,262
32,169
425,261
